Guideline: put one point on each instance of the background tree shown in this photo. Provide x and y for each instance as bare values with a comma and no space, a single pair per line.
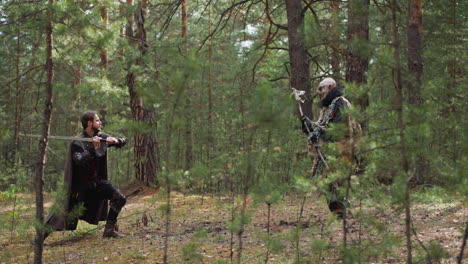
402,127
299,75
146,146
39,181
414,39
358,52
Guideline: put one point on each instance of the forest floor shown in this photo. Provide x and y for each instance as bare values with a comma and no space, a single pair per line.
200,233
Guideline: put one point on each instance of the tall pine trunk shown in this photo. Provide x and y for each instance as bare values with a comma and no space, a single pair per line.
40,165
146,148
299,76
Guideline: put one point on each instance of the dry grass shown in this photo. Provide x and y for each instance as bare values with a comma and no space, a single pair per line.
143,243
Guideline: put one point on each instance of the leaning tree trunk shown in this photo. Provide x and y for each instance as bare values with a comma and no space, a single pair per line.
358,36
299,76
146,148
39,181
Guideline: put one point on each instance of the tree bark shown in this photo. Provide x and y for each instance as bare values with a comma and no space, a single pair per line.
184,23
40,165
358,37
299,76
146,147
415,62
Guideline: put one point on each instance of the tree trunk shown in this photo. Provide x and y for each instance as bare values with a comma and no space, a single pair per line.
188,116
184,24
453,67
246,183
335,40
399,101
299,76
105,20
210,88
415,63
415,67
18,99
40,165
146,148
465,237
167,224
358,37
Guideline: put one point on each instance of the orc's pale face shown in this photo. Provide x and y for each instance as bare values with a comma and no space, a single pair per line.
323,91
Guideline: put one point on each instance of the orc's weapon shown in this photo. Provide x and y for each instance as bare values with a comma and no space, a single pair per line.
314,134
298,95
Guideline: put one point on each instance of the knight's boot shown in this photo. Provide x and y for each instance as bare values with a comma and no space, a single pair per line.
110,232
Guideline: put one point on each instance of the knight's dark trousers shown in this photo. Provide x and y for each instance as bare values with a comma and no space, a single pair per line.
104,190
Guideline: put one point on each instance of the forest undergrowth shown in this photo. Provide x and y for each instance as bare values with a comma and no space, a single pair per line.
202,230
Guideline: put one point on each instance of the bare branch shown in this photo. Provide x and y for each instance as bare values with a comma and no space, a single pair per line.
21,75
221,24
279,78
379,147
267,11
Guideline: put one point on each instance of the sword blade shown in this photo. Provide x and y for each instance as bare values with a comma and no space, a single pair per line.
58,137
